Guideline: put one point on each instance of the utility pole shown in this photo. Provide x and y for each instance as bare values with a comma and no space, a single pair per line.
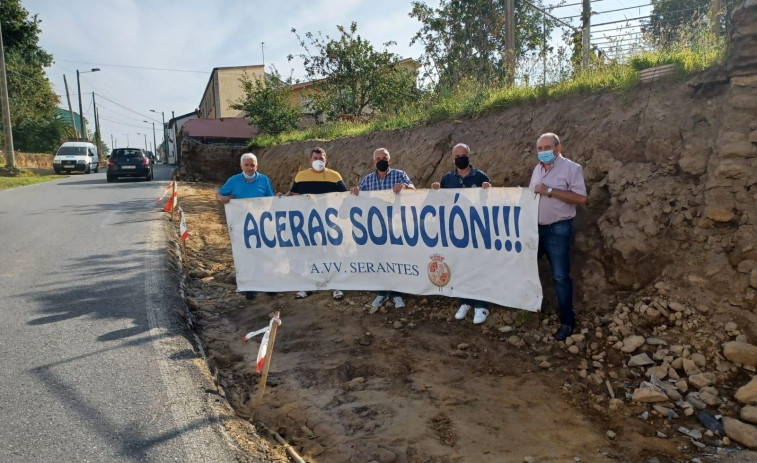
81,113
97,122
715,13
165,140
510,40
262,50
154,141
175,150
70,111
585,34
112,142
10,157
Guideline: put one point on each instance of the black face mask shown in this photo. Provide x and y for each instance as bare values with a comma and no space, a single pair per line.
462,162
382,165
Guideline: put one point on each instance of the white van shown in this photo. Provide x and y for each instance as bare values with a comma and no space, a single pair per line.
76,156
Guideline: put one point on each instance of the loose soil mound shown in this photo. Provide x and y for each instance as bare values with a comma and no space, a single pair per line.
349,383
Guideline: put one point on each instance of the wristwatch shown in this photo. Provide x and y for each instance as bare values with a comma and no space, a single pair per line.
549,192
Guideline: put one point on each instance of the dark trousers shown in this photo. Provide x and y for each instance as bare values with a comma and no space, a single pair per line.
555,242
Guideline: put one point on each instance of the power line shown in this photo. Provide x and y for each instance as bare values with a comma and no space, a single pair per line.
647,17
128,109
132,67
630,26
125,123
622,9
551,16
570,4
595,13
112,111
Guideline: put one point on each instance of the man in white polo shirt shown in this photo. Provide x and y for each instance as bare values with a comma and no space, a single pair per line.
560,182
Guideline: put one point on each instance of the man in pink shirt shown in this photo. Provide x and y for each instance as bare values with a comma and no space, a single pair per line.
560,182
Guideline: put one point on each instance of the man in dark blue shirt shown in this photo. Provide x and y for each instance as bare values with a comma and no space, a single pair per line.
464,175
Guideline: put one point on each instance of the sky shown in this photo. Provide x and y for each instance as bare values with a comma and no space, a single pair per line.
158,55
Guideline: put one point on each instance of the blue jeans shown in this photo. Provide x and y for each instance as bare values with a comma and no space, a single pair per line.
389,294
474,303
555,242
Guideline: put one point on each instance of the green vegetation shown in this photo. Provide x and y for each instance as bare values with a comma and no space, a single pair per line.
24,177
464,39
470,99
349,75
11,178
267,103
35,126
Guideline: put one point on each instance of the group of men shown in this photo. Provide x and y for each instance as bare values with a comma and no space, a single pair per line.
558,180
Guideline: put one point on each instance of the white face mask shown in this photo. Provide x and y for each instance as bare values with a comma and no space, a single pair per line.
318,165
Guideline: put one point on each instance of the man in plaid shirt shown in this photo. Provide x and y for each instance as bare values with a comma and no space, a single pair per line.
385,178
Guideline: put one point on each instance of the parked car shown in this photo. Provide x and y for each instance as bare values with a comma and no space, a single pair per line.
76,156
129,162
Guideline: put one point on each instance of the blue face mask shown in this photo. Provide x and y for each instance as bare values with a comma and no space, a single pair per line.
547,157
249,177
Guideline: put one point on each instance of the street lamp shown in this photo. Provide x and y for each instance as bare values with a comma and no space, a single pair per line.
81,115
165,142
154,142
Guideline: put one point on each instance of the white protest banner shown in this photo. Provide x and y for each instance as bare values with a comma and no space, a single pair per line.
472,243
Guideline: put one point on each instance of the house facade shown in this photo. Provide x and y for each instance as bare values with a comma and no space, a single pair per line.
302,93
224,87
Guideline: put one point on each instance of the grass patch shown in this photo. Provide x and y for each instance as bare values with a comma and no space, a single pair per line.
11,178
472,99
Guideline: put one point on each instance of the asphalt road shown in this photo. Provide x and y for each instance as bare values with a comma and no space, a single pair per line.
95,365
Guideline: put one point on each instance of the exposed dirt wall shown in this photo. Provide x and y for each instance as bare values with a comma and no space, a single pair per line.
37,161
670,170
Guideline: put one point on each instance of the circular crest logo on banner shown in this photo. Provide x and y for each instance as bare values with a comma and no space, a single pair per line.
439,272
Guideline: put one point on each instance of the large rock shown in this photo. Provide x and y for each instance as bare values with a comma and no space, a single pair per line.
648,393
747,394
743,433
640,360
702,380
632,343
749,414
740,352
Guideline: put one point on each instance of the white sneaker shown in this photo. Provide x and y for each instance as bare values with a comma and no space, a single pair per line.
462,311
379,301
301,295
479,315
398,302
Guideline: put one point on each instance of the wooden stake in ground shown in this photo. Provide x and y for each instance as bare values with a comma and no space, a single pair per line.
266,365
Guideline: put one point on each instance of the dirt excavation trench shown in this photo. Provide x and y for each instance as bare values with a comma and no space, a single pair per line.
662,366
350,384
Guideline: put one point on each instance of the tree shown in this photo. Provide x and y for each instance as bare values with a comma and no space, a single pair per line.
465,39
672,19
41,135
267,103
350,76
32,99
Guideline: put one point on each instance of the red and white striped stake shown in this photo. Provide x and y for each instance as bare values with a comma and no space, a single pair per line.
184,233
265,352
165,192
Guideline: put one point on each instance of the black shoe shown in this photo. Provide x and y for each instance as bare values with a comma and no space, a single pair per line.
563,332
250,295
